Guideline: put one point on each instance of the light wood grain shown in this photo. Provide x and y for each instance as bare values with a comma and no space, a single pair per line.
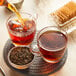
69,69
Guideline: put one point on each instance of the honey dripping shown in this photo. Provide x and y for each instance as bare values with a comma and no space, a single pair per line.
65,17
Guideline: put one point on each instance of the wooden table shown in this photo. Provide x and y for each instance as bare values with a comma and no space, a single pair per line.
32,6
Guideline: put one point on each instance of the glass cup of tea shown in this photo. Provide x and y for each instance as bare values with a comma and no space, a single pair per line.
51,44
21,35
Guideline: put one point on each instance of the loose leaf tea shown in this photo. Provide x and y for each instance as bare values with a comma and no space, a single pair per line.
21,56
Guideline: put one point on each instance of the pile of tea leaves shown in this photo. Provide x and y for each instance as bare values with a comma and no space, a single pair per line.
21,56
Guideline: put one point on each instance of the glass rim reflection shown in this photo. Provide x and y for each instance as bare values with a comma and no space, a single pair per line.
52,28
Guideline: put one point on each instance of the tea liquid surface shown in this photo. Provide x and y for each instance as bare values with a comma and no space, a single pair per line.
52,40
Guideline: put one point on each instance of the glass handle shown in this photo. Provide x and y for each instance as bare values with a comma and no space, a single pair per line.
34,48
35,17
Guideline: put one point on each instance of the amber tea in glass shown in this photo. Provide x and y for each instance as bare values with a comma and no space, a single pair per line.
52,44
21,35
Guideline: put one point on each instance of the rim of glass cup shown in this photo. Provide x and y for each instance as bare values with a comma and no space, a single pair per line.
14,16
30,15
52,28
19,66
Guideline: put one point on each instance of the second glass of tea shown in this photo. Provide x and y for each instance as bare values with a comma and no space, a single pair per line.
52,43
21,35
